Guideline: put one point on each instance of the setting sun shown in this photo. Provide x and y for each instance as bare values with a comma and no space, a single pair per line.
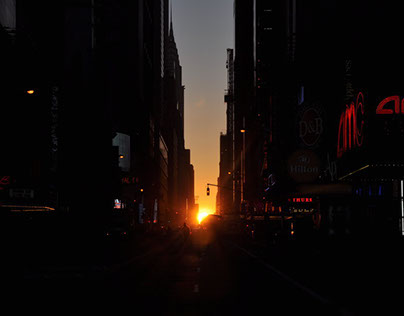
202,214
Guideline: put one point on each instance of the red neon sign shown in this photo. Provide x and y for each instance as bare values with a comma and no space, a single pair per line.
396,100
301,200
5,180
129,180
350,131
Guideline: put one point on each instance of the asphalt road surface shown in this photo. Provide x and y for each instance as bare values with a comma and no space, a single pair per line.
166,275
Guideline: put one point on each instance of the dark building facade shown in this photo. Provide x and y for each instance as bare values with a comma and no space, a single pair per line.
30,101
85,101
188,187
131,41
243,95
319,106
180,203
226,180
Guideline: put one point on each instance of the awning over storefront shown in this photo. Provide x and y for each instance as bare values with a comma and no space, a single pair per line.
332,189
381,172
26,208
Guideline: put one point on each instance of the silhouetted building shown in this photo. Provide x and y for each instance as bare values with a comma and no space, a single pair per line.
30,94
188,187
226,180
85,102
243,98
173,131
131,41
368,123
310,94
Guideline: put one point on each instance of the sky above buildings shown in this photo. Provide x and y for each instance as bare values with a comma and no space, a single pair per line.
203,30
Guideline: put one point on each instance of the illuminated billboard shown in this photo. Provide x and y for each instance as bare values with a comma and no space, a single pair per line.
351,123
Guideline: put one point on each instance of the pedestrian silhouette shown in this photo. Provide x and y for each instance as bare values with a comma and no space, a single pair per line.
185,231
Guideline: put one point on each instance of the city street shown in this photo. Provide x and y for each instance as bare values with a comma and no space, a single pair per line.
176,157
167,275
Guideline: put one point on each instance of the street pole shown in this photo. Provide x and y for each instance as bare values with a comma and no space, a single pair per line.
219,186
243,162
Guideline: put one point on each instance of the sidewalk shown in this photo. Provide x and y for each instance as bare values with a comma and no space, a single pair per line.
363,276
78,257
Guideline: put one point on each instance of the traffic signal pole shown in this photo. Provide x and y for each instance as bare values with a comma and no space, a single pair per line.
219,186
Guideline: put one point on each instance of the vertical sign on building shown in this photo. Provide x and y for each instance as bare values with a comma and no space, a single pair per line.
54,127
402,206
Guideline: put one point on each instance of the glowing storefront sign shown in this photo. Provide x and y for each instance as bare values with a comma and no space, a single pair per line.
4,180
310,126
395,99
129,180
118,204
301,205
350,130
301,200
304,166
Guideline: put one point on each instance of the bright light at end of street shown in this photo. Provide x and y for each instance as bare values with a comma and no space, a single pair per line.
202,214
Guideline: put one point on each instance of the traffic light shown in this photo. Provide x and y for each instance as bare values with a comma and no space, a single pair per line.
207,191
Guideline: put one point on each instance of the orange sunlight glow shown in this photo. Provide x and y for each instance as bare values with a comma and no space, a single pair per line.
202,214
